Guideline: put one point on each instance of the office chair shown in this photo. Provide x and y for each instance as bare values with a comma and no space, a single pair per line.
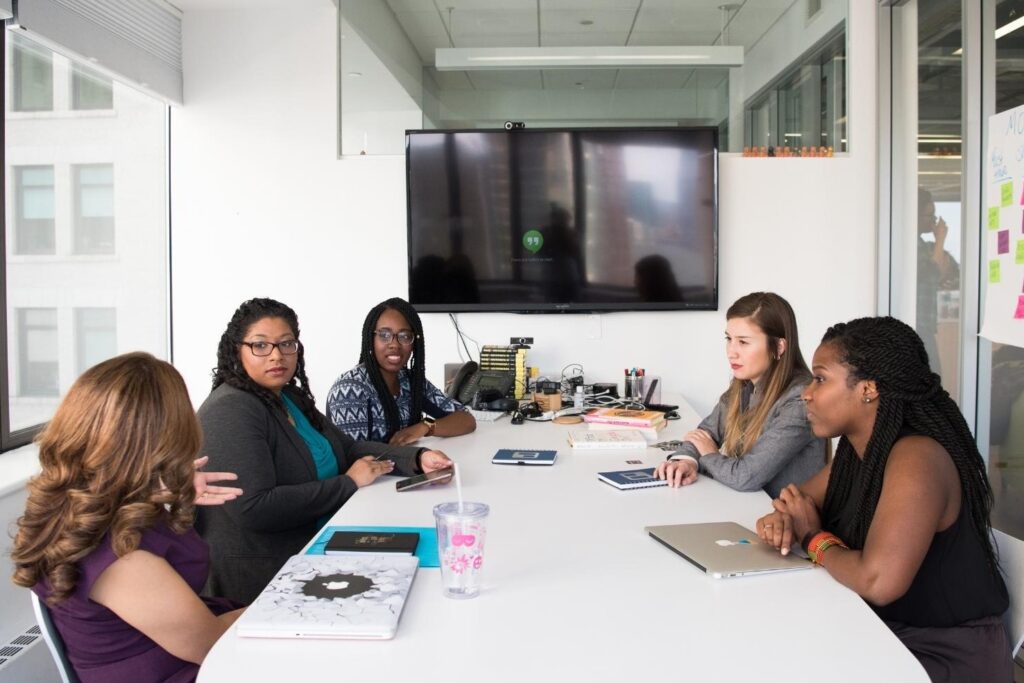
53,640
1011,559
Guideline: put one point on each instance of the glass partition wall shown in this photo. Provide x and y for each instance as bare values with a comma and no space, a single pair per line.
952,64
1002,378
792,54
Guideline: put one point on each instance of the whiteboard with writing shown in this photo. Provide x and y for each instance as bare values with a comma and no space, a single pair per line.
1002,266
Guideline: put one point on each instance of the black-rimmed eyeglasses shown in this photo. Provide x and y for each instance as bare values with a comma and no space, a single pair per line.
288,347
405,338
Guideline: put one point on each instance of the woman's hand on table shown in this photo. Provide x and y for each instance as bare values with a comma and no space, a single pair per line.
801,509
677,472
365,470
795,517
431,460
410,434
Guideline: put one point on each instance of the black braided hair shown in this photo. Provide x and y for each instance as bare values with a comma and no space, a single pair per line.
910,396
229,368
417,363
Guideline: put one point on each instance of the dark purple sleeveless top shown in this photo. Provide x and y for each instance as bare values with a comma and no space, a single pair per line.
103,647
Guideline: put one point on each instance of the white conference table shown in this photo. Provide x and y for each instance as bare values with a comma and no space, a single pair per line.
573,589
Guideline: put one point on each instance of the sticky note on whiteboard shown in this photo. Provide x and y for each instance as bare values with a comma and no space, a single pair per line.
1019,313
1006,193
1004,242
993,218
993,271
1019,256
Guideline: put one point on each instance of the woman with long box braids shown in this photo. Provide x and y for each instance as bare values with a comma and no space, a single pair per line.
901,516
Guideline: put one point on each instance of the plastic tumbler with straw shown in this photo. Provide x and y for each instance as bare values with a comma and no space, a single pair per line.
461,531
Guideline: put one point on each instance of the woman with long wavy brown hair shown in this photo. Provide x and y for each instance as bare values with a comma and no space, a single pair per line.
757,436
107,540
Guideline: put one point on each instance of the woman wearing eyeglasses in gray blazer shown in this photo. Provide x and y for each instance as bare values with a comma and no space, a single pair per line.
260,421
383,400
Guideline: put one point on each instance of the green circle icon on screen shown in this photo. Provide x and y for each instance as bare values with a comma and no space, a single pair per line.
533,241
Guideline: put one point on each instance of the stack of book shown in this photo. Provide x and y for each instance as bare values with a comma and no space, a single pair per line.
647,422
511,359
630,439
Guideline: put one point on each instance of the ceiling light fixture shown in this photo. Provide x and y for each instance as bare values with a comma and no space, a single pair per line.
507,58
1009,28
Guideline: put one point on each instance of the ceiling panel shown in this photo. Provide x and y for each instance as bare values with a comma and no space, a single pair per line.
559,5
460,5
599,39
569,21
677,20
426,31
492,23
689,6
753,20
680,37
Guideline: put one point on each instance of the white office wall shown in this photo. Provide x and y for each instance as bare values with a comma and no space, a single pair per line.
261,207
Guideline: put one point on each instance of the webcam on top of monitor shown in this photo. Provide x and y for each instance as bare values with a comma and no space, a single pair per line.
514,125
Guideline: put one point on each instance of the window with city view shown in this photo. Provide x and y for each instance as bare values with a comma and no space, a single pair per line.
85,226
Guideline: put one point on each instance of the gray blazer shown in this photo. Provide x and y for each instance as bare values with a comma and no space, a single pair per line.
251,537
787,452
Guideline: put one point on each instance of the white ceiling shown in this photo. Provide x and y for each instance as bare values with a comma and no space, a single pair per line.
432,24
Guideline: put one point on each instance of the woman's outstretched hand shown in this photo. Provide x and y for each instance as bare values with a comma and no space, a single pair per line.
206,492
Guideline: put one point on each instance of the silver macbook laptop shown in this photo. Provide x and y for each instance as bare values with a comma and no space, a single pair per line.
724,549
332,596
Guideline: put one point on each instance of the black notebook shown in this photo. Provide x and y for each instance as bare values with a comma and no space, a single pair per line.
346,542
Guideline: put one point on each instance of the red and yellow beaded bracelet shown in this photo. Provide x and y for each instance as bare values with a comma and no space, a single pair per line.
820,542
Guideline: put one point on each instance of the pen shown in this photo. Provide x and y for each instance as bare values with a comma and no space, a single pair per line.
380,456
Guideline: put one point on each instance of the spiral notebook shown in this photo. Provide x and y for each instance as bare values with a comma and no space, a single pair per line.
632,479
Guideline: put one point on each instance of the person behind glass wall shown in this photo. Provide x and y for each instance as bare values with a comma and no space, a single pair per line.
901,516
757,436
385,397
937,271
107,540
297,469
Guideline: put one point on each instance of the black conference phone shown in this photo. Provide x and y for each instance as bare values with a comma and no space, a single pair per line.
477,388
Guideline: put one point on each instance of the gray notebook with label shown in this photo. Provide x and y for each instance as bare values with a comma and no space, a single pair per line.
724,549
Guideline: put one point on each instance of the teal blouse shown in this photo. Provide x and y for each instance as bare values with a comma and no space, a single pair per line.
319,447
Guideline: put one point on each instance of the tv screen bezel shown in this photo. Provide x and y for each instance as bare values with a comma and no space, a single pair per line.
581,307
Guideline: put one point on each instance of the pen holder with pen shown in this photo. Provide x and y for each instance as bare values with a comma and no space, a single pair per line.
642,388
633,387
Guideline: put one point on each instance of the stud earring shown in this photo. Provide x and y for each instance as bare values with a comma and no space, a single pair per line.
867,400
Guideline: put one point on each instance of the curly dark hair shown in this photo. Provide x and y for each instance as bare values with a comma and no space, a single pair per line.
910,397
229,368
417,362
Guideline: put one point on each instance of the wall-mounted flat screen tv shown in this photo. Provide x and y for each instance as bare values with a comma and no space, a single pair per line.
535,220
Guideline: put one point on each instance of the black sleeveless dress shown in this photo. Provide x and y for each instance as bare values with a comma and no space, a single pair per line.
950,617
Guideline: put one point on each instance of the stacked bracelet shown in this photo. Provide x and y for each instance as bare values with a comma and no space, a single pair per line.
820,542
